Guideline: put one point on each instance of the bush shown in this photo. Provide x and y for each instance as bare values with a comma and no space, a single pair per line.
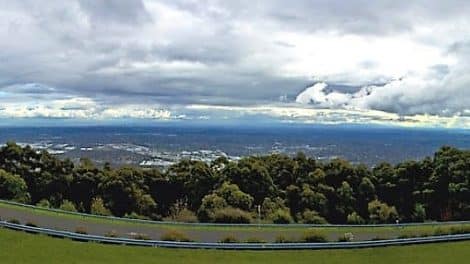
210,204
112,233
232,215
283,239
44,203
186,216
141,236
13,187
14,221
312,217
281,216
97,207
419,213
346,237
440,231
81,230
381,213
175,235
459,230
311,236
68,206
229,239
355,219
134,215
31,224
255,240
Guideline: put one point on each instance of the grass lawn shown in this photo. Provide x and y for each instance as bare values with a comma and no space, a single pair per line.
20,247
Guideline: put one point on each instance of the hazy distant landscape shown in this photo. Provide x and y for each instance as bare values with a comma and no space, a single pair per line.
167,143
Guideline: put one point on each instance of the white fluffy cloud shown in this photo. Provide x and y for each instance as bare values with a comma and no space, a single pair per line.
80,108
151,58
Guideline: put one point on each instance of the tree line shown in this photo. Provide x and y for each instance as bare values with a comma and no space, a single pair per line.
273,188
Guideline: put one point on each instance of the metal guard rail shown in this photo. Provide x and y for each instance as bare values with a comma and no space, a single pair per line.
235,246
142,221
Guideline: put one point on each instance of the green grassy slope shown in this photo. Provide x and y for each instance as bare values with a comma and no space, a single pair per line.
20,247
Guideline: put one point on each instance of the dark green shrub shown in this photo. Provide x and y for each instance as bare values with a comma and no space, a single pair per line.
232,215
44,203
13,187
419,213
97,207
380,212
281,216
229,239
459,230
68,206
31,224
134,215
185,215
311,236
440,231
14,221
355,219
175,235
312,217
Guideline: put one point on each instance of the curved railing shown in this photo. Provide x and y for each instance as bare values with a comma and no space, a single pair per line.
223,224
236,246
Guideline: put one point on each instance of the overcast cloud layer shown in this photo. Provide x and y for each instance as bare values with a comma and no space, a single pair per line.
387,62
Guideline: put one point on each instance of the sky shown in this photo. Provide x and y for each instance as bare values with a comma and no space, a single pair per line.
399,63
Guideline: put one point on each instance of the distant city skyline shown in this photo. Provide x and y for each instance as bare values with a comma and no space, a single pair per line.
398,63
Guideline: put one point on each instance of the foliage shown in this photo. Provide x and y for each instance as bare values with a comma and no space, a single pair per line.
184,215
135,215
210,203
288,189
234,196
98,208
419,213
14,221
68,206
284,239
312,217
175,235
229,239
280,216
31,224
44,203
312,236
81,230
355,219
381,213
140,236
13,187
232,215
112,233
